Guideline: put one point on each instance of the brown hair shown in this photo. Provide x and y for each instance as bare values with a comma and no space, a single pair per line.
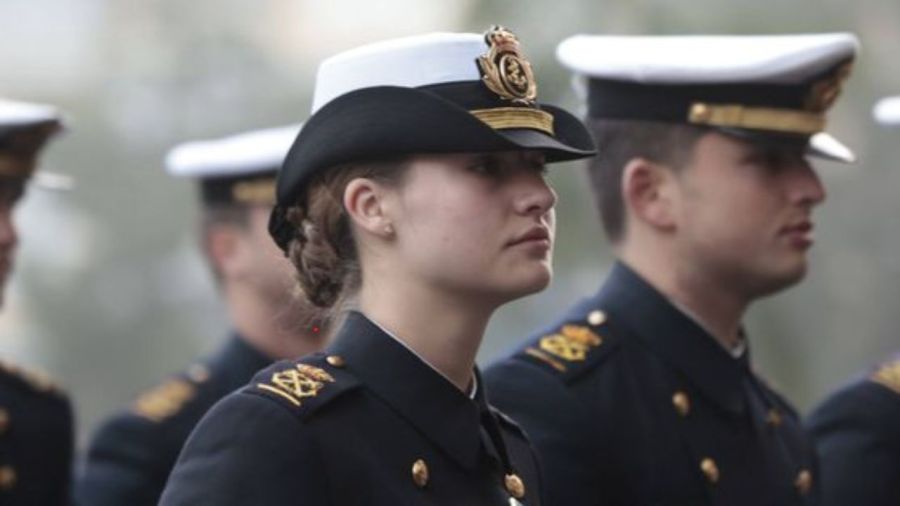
323,249
620,141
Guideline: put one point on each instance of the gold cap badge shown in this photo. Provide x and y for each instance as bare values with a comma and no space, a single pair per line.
505,71
824,93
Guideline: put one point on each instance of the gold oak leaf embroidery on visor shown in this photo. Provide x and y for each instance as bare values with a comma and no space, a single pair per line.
298,382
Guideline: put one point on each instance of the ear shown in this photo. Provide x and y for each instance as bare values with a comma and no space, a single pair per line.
365,202
223,244
648,193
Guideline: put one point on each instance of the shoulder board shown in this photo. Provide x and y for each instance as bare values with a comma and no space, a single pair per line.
888,374
304,385
169,398
35,380
573,347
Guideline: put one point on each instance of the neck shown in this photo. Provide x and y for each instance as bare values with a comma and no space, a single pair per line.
445,330
271,328
717,307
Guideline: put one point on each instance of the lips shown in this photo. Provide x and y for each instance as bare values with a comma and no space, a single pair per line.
800,233
535,234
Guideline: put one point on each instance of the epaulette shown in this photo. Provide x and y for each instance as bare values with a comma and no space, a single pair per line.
574,347
35,380
304,385
168,399
888,374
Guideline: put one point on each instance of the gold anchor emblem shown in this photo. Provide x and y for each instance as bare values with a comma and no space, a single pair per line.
505,71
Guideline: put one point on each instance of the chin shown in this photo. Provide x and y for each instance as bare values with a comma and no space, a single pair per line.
781,279
532,282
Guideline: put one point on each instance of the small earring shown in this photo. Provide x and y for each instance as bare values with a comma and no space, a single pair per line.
389,229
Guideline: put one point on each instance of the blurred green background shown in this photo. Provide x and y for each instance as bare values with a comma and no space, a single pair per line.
111,294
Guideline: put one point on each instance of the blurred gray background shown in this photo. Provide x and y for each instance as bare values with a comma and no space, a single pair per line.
111,294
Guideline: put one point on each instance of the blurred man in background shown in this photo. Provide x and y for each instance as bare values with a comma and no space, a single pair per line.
644,393
36,433
857,428
131,454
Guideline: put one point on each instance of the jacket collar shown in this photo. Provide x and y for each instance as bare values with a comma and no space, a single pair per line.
439,410
675,337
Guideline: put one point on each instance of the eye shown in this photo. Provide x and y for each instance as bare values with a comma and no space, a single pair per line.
486,165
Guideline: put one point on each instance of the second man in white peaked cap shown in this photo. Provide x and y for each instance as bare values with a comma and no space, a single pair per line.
132,453
644,393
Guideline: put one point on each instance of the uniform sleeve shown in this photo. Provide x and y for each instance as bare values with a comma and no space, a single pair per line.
858,441
557,424
248,450
127,463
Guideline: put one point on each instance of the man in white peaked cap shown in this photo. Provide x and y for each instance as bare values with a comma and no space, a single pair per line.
856,428
644,392
132,453
36,426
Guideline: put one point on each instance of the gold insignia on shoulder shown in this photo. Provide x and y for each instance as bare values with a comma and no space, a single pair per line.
298,382
572,343
888,375
164,400
825,92
505,70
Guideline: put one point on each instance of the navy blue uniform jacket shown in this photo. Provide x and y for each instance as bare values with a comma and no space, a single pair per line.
629,402
857,434
36,440
367,423
132,454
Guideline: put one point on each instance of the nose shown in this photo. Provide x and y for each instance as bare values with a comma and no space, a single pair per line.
807,188
536,196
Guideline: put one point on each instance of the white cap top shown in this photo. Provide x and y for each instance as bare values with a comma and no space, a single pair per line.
410,62
887,111
699,59
21,114
246,153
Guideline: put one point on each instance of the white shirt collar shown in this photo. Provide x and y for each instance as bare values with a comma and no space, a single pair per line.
736,351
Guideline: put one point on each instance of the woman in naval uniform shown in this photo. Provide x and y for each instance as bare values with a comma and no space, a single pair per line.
414,195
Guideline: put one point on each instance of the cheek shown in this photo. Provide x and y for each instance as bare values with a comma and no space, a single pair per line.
451,228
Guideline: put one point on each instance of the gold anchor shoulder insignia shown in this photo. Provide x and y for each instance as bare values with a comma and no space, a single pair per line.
572,343
505,70
297,382
165,400
888,375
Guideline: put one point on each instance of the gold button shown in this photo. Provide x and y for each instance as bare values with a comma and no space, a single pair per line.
4,420
773,418
7,477
710,469
198,372
419,472
804,481
700,113
596,317
335,360
514,485
682,403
